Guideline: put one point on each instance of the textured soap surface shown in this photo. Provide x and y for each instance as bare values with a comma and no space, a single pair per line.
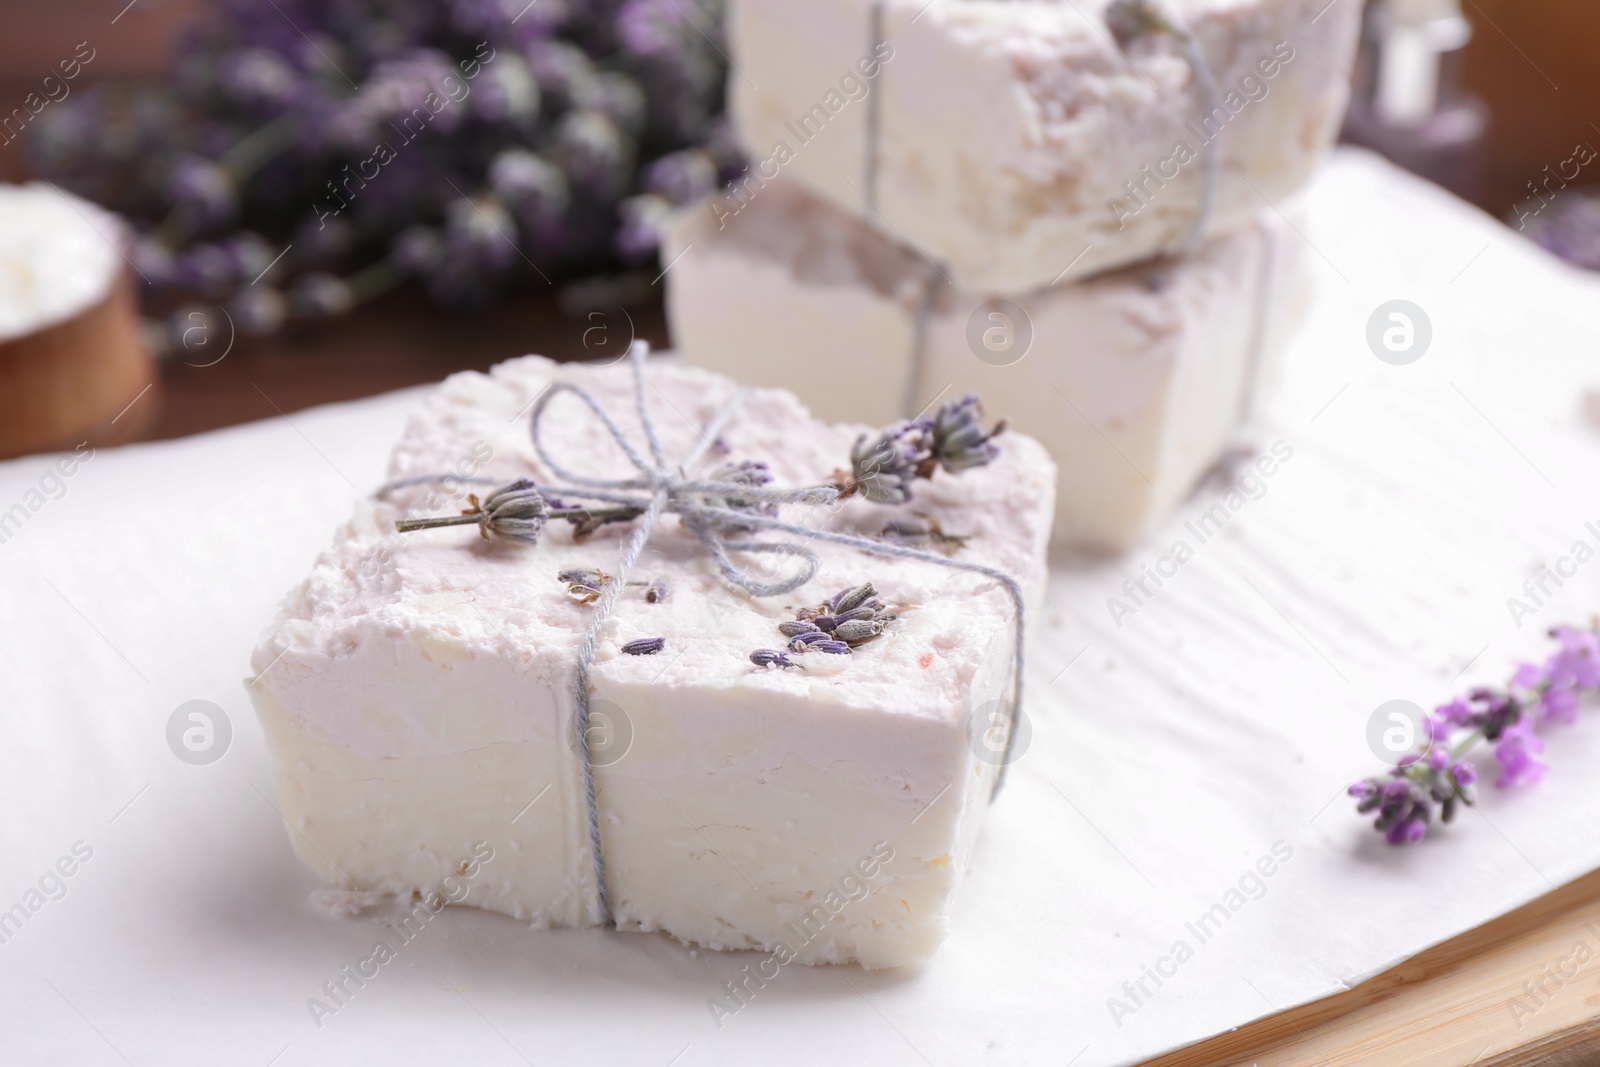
1013,139
418,693
1134,380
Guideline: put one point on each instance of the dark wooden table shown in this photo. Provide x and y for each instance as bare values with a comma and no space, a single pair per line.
397,341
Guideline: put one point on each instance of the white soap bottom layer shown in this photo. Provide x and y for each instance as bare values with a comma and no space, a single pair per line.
805,865
1135,381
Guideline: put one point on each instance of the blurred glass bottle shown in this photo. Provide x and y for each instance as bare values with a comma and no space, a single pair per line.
1407,101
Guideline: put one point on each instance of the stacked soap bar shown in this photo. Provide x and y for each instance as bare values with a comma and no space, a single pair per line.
939,189
1134,380
418,690
1023,144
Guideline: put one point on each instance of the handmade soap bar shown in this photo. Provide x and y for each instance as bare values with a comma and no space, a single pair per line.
1017,143
418,689
1133,380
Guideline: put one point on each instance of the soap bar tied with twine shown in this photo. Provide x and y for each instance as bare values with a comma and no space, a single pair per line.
1126,21
518,512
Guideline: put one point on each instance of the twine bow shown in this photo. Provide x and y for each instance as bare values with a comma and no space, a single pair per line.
518,511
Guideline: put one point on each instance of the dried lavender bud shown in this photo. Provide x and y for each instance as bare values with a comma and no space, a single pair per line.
826,622
515,511
801,642
835,648
770,657
857,630
959,440
584,585
657,592
924,528
883,467
746,472
863,612
852,598
796,627
645,646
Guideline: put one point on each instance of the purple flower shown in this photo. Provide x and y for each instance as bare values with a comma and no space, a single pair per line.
885,466
770,657
1530,675
643,220
682,177
203,194
1559,702
1516,749
1410,830
1578,662
645,646
594,151
528,184
1456,713
959,440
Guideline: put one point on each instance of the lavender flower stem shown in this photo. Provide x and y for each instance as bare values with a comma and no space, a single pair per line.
472,517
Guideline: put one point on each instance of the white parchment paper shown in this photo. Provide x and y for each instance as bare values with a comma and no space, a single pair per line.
1173,747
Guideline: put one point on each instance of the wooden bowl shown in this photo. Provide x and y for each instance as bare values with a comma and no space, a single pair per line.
85,377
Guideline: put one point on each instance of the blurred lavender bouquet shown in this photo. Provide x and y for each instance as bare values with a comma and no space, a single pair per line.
475,145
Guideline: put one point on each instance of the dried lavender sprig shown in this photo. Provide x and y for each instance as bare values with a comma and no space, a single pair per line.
1405,798
884,466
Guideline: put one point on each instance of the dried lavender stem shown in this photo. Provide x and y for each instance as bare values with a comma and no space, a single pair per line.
471,518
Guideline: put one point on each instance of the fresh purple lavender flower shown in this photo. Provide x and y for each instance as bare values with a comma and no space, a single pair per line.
614,95
259,79
320,242
1538,693
645,646
528,184
642,221
418,250
682,177
320,296
1516,751
202,194
337,134
594,151
506,93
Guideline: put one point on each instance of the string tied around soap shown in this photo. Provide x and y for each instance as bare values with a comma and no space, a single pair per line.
511,513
